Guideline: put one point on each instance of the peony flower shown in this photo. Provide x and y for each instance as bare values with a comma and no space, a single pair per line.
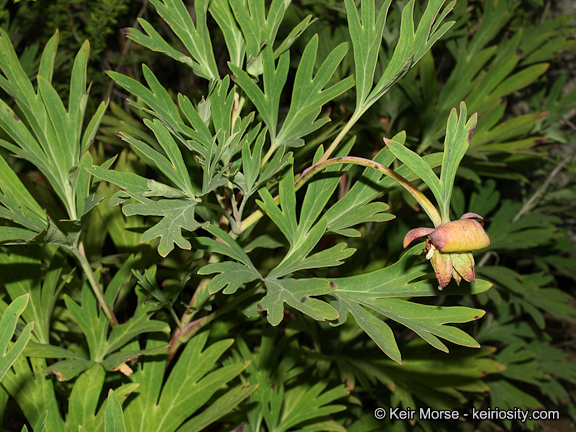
449,247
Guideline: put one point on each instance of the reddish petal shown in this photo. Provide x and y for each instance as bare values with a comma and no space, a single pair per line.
473,216
416,233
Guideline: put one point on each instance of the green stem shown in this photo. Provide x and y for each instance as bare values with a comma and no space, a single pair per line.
222,212
184,334
268,154
79,255
428,207
355,117
175,317
195,326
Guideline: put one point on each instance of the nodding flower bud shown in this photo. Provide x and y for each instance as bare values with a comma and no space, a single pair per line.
449,247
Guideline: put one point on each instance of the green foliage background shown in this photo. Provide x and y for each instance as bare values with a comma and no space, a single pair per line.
297,320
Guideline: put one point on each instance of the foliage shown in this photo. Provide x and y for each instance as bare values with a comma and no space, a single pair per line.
8,325
224,255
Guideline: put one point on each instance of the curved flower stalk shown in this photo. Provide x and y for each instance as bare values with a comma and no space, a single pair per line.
449,247
450,243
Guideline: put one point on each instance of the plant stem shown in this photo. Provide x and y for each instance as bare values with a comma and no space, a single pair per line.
190,329
222,212
355,117
80,256
268,154
428,207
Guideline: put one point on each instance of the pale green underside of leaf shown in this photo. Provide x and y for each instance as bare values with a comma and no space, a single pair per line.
177,214
385,292
297,293
231,276
195,38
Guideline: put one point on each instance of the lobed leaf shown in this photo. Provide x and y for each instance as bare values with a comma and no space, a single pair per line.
303,404
84,398
437,380
177,215
309,95
155,42
284,219
231,276
172,165
378,330
277,405
156,97
320,188
49,135
225,403
43,290
257,27
512,128
233,37
458,136
297,293
251,160
102,342
267,102
366,36
297,258
381,291
227,246
410,48
195,38
26,382
192,381
19,206
40,424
